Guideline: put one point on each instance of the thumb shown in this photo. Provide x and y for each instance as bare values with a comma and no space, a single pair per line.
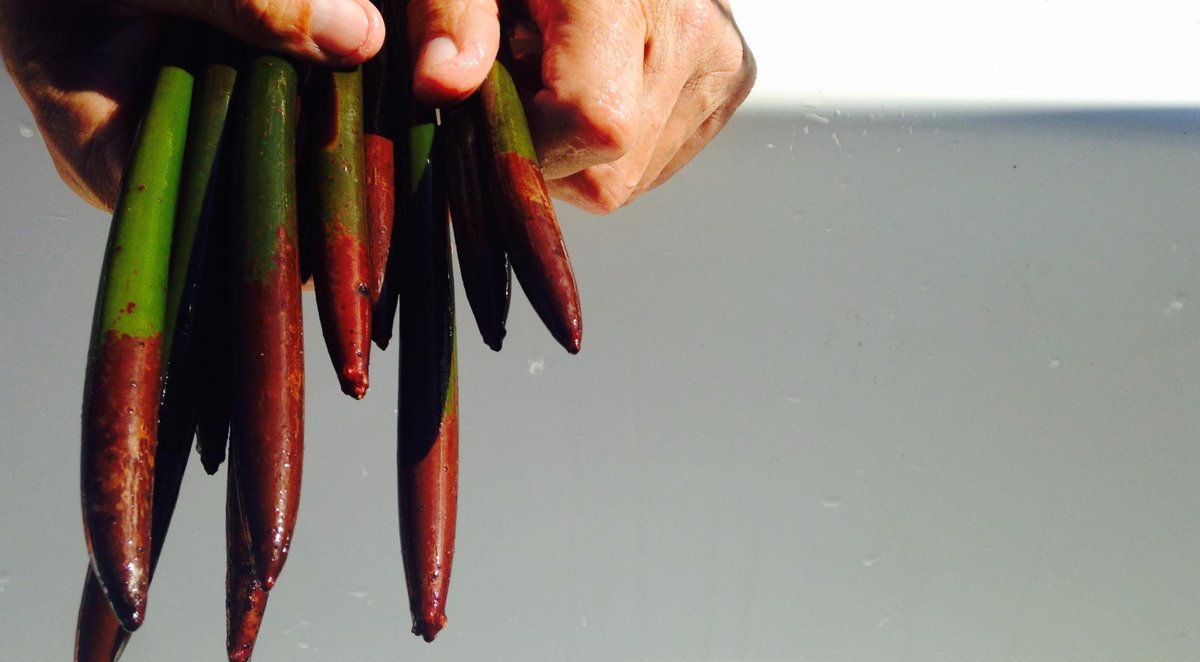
453,44
334,32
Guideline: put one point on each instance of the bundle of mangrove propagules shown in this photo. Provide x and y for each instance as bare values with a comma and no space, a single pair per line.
235,189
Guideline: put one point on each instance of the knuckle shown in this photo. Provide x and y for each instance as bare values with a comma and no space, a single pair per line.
728,77
597,190
696,18
604,190
607,123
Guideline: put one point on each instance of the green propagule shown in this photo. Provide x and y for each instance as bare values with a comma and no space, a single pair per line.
125,361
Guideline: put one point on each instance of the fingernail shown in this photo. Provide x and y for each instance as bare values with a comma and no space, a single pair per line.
339,27
438,51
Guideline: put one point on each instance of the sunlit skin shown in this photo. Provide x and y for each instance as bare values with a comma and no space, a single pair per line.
629,91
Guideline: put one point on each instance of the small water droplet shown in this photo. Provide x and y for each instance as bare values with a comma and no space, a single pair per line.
813,117
583,621
364,470
25,130
831,502
770,145
870,561
305,622
5,578
302,645
1175,247
793,398
359,593
1174,308
806,129
835,139
537,366
1054,364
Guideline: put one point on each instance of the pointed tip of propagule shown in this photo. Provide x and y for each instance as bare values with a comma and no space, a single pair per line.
566,328
354,383
130,608
123,571
494,339
381,340
210,467
429,626
571,339
241,650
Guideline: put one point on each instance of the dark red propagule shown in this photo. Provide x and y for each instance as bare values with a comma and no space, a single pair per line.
341,269
267,431
427,450
245,595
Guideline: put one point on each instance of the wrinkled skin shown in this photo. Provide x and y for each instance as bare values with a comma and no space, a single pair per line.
630,90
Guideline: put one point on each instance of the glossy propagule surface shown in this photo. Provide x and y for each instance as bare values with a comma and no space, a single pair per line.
267,435
341,272
99,636
427,450
428,489
379,180
412,127
379,163
532,237
121,392
98,633
486,276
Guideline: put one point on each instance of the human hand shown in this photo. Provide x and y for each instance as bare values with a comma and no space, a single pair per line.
83,65
630,90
